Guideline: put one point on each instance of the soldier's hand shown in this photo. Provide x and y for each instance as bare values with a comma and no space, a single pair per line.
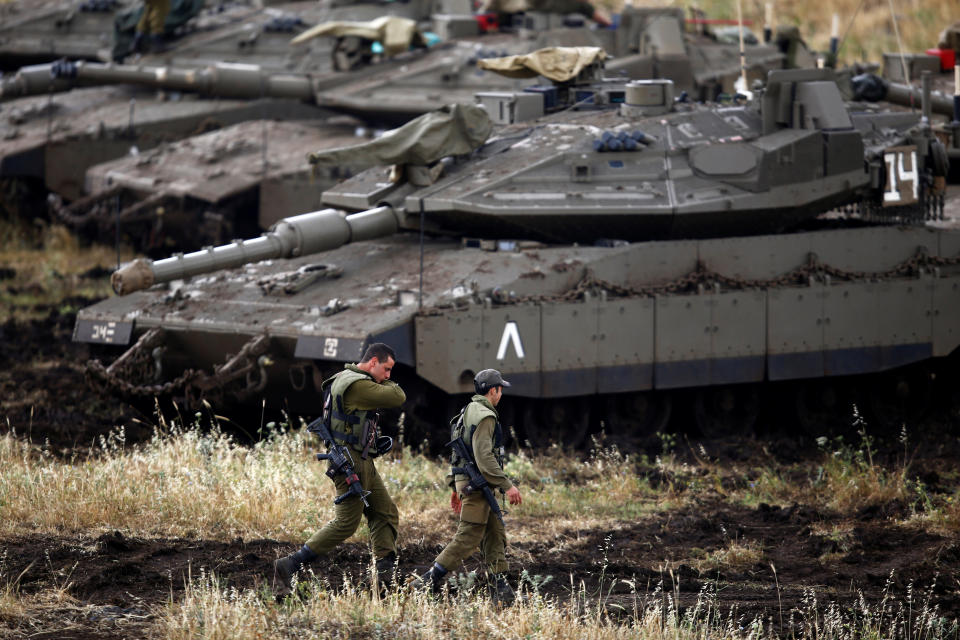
455,503
513,495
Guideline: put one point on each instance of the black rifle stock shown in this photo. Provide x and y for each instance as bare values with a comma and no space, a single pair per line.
340,462
475,481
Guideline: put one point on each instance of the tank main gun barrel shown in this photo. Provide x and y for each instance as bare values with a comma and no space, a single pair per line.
873,88
223,80
301,235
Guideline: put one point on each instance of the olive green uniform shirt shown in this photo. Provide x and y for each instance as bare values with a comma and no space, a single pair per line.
382,515
367,395
483,449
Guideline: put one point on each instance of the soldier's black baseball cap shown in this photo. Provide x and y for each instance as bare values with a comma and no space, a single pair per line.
488,379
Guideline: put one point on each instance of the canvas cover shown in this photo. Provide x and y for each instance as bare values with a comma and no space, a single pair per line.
396,34
559,64
452,130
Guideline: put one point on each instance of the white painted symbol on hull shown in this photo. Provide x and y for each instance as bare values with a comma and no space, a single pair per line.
511,335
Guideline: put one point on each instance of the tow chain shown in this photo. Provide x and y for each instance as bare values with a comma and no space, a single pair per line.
97,208
142,362
702,277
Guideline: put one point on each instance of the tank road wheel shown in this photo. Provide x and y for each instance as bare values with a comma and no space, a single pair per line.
726,410
640,412
824,406
560,421
896,398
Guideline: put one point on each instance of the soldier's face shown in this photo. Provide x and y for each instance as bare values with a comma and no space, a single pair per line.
496,395
381,370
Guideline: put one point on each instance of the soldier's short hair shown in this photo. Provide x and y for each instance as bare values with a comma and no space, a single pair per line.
380,351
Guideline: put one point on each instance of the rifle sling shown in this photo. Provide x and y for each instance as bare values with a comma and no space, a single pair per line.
344,437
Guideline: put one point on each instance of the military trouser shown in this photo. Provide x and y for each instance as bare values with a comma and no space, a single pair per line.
154,15
479,526
382,515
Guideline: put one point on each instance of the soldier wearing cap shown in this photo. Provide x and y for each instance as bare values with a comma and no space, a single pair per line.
479,526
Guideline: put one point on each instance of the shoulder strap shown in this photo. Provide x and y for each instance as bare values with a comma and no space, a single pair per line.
338,387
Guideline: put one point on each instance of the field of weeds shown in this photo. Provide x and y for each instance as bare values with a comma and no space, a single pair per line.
870,27
744,538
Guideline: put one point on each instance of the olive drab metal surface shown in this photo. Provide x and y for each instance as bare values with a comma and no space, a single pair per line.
235,64
604,260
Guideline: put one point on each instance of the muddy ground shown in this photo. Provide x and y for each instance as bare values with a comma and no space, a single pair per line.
43,389
119,582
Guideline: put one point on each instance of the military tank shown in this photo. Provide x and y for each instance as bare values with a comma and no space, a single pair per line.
73,142
35,30
608,256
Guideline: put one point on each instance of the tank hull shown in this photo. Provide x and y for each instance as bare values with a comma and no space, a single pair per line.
570,323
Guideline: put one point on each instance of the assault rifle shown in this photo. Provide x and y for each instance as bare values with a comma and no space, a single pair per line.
475,479
340,462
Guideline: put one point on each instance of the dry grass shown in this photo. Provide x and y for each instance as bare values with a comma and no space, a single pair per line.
871,30
197,482
194,482
848,479
48,261
210,611
738,555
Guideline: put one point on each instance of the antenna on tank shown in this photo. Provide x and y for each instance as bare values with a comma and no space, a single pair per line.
743,88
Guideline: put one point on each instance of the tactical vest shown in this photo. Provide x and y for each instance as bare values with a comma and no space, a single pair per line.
347,426
465,424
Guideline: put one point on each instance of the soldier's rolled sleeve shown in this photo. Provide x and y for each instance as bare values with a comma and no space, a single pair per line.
366,395
483,451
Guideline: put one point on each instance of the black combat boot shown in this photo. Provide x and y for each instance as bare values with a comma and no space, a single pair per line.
138,43
386,567
501,593
285,568
432,579
157,43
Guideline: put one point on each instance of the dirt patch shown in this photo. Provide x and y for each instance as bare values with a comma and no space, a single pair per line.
119,582
43,388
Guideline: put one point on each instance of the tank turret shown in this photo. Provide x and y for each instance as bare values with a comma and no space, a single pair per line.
694,171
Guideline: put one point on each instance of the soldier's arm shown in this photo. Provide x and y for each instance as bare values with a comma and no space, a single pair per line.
364,395
483,452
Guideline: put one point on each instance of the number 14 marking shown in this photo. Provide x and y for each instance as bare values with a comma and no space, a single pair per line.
898,174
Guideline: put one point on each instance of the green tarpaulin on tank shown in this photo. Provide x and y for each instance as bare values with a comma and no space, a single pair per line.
396,34
125,23
452,130
555,63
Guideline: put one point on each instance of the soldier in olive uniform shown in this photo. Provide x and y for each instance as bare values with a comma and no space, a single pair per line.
479,525
151,23
356,393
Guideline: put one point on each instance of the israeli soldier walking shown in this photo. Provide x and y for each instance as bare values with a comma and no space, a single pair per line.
356,393
480,525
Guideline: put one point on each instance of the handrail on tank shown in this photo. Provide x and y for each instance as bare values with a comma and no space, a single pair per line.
300,235
224,80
